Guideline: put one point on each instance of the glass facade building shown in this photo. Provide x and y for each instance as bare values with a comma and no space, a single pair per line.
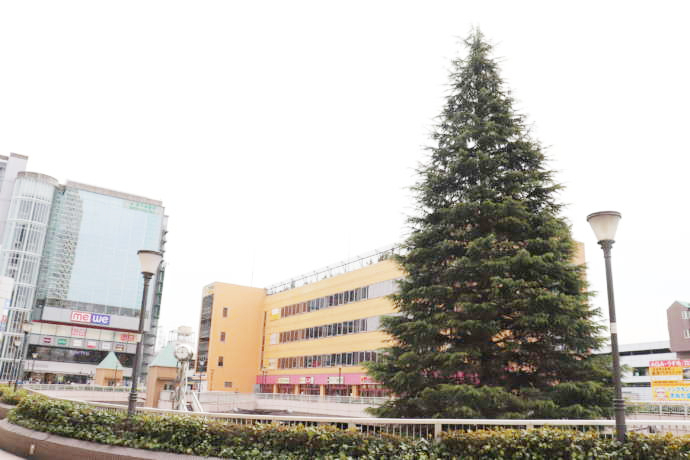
72,253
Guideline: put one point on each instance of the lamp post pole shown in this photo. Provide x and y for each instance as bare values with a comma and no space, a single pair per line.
604,225
149,264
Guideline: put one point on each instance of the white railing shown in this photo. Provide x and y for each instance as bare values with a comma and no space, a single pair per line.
355,263
368,400
417,428
672,409
72,387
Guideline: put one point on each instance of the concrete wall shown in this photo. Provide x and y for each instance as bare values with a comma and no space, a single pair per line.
242,327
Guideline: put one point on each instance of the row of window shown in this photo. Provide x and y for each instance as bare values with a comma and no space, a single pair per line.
330,360
329,330
73,355
685,314
341,298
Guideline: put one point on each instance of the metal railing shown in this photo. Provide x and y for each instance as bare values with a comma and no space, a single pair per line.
72,387
667,409
368,400
355,263
416,428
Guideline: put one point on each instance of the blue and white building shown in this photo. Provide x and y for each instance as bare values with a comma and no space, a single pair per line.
70,253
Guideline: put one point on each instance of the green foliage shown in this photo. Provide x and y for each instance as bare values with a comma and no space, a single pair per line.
492,306
549,443
196,436
11,397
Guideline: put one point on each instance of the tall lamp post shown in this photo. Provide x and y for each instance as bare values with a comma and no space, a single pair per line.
26,328
149,260
604,224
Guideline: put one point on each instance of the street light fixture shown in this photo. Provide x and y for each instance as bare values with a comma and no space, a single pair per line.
604,224
26,328
149,261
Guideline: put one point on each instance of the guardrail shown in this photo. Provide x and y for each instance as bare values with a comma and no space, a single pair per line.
368,400
72,387
673,409
417,428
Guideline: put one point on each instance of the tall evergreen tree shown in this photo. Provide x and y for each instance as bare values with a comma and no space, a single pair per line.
494,313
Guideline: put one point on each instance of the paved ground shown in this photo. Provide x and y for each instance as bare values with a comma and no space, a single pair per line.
7,456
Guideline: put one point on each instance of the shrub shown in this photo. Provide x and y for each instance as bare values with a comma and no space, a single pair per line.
194,435
11,397
197,436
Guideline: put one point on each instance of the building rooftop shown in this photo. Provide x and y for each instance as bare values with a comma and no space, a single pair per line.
340,268
165,357
640,346
110,362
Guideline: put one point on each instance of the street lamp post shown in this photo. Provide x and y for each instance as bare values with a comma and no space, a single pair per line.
149,260
26,328
604,224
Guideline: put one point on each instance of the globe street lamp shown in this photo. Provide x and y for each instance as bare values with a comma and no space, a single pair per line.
26,328
604,224
149,260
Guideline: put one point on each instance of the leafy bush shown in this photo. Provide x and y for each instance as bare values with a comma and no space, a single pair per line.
551,443
11,397
194,435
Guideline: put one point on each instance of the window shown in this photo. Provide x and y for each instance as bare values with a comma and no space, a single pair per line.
685,314
686,333
225,312
220,361
227,384
222,336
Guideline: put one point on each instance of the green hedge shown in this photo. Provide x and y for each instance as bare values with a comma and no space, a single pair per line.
193,435
9,396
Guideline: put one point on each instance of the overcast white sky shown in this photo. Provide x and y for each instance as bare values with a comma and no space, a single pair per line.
282,136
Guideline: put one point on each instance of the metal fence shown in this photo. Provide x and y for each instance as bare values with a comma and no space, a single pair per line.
671,410
368,400
417,428
72,387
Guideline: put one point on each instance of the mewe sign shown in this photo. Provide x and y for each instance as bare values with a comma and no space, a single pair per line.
91,318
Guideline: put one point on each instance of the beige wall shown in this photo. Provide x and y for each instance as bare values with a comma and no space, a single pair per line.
243,328
107,377
156,380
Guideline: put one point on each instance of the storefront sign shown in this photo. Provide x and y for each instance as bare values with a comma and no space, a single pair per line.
336,380
119,347
366,379
62,341
106,345
78,332
283,380
670,379
87,317
91,344
77,343
306,380
47,340
126,338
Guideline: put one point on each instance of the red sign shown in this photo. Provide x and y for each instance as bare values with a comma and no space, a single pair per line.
119,347
670,363
91,344
78,332
47,340
126,338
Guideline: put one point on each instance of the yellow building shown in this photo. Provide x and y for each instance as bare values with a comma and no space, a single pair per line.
306,336
309,339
